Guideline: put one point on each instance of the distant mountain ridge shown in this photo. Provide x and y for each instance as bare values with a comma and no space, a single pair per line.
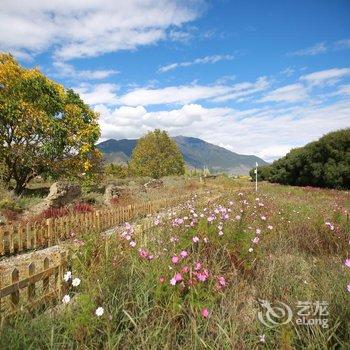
196,152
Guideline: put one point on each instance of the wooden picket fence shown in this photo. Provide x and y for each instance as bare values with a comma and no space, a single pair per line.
29,287
19,238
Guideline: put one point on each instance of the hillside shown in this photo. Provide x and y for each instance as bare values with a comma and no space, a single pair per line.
196,152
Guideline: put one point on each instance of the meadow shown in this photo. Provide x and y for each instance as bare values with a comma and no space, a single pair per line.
198,277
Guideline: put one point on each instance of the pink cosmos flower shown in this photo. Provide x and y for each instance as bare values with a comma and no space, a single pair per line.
202,277
195,239
161,279
255,240
183,254
210,218
347,262
263,217
178,277
222,281
143,253
258,231
185,269
132,243
238,217
205,312
348,287
173,281
197,266
175,259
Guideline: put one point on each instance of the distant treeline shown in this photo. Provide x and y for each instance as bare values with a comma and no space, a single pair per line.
323,163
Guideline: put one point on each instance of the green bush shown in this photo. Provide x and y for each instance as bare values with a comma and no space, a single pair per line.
323,163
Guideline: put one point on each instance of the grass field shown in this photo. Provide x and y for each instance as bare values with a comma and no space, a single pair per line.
197,278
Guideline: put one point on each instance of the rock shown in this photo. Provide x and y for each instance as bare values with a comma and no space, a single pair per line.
61,193
154,183
112,192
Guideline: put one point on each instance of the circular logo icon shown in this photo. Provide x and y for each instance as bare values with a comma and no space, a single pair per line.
275,315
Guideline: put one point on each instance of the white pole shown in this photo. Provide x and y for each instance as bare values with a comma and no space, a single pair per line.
256,177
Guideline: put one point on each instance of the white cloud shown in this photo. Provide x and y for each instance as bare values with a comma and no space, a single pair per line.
184,94
172,94
342,44
288,93
98,94
89,28
310,51
325,77
68,71
201,60
269,132
343,90
242,90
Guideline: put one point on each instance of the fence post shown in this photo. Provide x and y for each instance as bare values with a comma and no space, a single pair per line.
49,232
28,237
46,280
20,237
15,293
2,245
31,285
98,221
11,234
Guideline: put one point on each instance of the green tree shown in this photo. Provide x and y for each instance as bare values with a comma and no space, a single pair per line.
157,155
44,128
323,163
120,171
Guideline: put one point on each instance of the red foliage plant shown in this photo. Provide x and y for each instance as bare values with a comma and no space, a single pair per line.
10,215
54,213
82,208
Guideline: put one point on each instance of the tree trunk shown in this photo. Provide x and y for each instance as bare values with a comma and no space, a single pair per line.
20,186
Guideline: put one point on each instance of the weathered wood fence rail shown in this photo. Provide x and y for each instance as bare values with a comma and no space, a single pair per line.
19,238
40,283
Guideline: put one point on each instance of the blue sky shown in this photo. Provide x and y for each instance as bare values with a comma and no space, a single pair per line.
257,77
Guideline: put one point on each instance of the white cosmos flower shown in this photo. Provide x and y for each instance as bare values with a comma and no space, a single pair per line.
76,281
99,311
67,276
66,299
250,250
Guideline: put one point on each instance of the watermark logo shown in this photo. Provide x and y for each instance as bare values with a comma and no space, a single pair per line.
274,315
308,313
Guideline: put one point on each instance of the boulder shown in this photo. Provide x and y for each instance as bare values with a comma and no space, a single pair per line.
113,191
154,183
61,193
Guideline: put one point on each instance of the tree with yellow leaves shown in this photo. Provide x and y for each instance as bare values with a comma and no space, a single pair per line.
45,129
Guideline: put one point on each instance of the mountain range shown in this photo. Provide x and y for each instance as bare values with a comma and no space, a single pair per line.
196,152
